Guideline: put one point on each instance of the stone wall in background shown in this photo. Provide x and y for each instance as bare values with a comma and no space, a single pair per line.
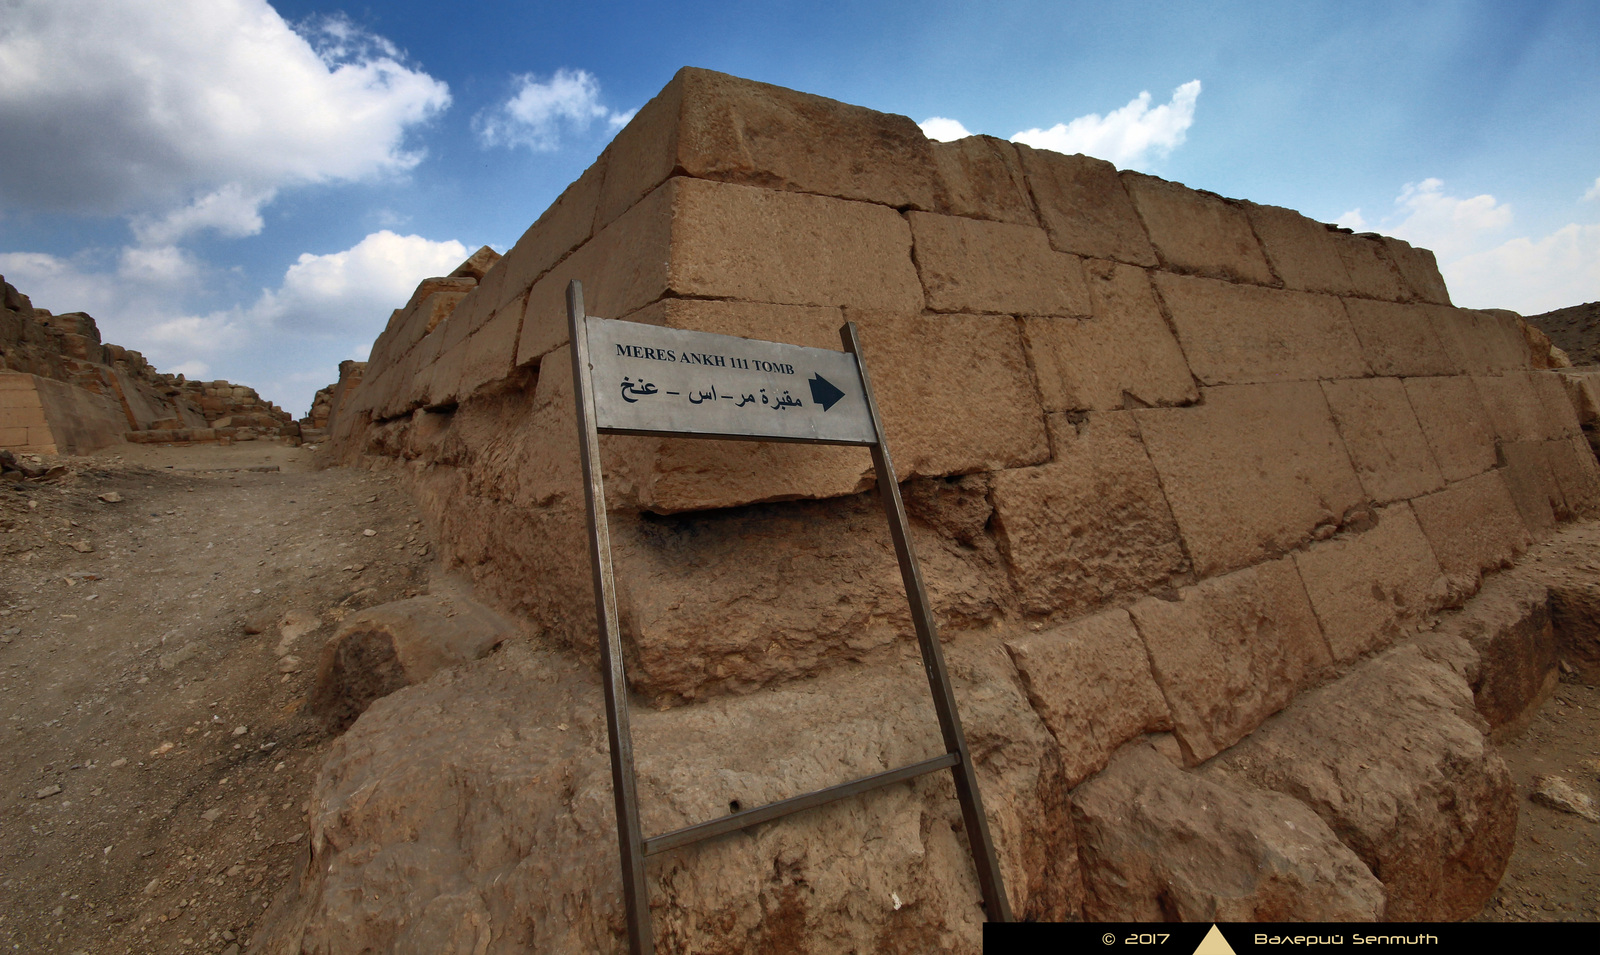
73,394
1188,476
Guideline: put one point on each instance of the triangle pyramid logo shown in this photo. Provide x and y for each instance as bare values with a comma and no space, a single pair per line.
1214,943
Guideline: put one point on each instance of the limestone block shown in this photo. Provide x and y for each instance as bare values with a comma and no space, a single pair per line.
1090,683
1575,616
381,649
1399,339
1577,474
1084,207
1234,334
1583,391
971,265
477,264
1231,651
1420,270
764,245
1514,408
1124,352
490,355
1302,251
982,178
1160,844
1455,424
1473,525
1393,758
467,317
1509,625
714,126
954,391
566,225
1385,442
1557,410
669,475
1372,275
1089,526
1198,232
1532,482
1371,588
1251,471
1479,342
626,265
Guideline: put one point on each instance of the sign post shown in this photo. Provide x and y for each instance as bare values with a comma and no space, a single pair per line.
645,379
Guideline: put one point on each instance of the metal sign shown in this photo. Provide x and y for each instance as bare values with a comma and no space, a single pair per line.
630,378
653,379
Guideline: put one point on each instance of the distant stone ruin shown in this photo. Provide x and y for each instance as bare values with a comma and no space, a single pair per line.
63,391
1204,491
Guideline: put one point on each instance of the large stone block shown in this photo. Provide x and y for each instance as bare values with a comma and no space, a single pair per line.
1399,339
1160,844
971,265
488,356
1084,207
1302,251
565,226
1481,343
1455,424
1510,627
714,126
1577,474
954,391
1251,471
1515,410
763,245
1090,683
1472,525
1373,587
1532,483
1420,270
1394,759
1089,526
1385,442
1125,351
624,266
1558,411
1231,651
1366,261
1197,232
1235,334
982,178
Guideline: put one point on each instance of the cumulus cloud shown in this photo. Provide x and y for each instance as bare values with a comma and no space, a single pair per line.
1450,226
539,112
330,306
1594,190
942,129
1530,275
133,106
1129,137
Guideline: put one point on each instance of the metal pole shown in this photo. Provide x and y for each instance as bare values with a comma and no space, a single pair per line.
630,837
996,905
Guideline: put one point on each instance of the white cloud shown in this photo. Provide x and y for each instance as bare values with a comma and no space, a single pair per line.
942,129
1530,275
1594,190
232,211
1128,137
1352,220
1451,227
538,113
135,106
286,344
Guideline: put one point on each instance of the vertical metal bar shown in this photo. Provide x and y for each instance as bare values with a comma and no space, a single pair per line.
996,905
630,837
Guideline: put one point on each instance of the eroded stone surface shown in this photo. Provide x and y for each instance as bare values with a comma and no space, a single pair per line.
1472,525
969,265
1386,445
1084,207
1453,421
1197,232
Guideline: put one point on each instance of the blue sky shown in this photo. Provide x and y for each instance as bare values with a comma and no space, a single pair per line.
245,190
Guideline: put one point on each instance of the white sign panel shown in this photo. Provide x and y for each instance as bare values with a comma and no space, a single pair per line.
649,378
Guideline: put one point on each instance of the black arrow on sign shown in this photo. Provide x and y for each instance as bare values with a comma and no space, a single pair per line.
823,392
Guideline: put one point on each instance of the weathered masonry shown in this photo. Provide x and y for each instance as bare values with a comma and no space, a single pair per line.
1203,490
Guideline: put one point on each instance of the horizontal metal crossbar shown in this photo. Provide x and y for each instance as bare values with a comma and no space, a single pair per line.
783,807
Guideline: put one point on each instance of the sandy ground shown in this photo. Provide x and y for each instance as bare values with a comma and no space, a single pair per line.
157,758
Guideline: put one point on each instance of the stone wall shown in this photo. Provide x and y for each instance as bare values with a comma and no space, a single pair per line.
1176,463
76,377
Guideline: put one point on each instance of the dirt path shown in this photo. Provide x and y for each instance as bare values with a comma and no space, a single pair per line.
156,758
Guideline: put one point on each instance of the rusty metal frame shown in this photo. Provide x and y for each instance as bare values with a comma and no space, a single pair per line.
633,845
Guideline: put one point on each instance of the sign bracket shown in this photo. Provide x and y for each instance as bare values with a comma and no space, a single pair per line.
634,846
